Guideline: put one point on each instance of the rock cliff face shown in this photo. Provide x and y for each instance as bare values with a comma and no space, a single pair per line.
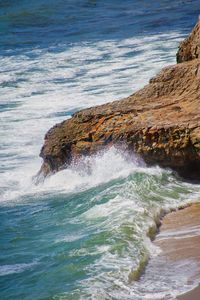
160,122
190,48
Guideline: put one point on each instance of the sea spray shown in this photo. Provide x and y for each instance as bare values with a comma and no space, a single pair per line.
80,233
93,223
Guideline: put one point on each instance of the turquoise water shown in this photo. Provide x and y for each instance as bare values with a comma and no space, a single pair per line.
61,244
81,233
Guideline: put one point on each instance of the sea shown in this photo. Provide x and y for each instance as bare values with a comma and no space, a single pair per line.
82,233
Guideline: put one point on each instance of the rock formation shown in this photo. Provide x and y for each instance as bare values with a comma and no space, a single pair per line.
190,48
160,122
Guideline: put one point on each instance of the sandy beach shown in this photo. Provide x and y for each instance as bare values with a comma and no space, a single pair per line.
179,240
191,295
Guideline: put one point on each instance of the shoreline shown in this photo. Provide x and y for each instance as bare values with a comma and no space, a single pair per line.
178,238
194,294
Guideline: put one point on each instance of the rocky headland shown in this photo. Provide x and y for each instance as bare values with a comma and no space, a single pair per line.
160,123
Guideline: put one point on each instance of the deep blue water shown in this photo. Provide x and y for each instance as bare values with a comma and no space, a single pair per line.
81,233
43,24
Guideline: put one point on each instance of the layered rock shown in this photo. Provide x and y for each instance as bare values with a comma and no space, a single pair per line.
160,122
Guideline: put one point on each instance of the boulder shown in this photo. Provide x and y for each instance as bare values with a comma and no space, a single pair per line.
160,122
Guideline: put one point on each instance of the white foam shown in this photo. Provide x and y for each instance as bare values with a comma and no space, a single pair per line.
46,87
180,234
69,238
90,172
16,268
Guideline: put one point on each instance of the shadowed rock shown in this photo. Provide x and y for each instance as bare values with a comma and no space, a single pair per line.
190,48
160,122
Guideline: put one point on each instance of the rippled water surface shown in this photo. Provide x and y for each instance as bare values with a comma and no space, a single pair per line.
81,234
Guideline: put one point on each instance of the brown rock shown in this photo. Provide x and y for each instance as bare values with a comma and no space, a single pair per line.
160,122
190,48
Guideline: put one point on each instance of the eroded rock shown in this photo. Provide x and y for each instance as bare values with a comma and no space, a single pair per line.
190,48
160,122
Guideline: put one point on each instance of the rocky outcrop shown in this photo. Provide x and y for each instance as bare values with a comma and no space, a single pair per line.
190,48
160,122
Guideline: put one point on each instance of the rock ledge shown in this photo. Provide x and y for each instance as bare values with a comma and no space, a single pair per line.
160,122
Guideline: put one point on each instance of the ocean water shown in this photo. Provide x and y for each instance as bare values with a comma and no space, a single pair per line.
82,234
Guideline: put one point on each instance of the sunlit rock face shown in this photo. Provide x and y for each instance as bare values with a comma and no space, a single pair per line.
190,48
160,122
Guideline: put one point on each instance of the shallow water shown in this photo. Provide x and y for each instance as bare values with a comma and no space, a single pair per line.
80,233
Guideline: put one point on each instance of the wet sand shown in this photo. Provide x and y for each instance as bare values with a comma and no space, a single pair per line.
192,295
179,240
